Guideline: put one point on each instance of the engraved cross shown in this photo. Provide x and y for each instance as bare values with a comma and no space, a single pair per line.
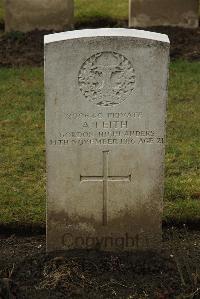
105,178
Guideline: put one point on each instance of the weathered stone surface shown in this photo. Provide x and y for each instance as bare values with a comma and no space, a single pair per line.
29,15
106,93
182,13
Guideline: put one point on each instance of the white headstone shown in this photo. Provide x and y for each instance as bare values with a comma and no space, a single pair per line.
29,15
106,92
181,13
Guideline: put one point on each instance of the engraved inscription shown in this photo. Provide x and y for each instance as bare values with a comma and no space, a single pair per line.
113,136
106,128
107,78
105,178
101,115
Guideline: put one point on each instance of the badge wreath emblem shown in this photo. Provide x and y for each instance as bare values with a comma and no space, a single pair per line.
106,78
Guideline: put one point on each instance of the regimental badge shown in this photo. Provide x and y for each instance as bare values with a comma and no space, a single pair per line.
107,79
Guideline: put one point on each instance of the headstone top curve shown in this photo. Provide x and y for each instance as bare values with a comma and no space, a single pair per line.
105,32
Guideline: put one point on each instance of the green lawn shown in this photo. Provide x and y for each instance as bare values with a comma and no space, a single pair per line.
91,9
22,151
22,171
1,11
182,187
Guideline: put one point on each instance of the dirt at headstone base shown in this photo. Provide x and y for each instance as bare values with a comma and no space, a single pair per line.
19,49
26,271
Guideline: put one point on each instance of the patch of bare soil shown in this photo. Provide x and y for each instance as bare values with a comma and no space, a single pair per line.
19,49
26,271
185,43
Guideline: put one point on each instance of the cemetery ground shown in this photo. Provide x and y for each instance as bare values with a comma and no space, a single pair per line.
23,150
32,273
26,271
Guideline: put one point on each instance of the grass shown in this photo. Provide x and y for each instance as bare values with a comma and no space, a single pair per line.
182,186
22,173
91,9
1,12
22,152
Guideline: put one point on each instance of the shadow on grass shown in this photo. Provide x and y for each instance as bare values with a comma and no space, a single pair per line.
21,229
2,26
27,229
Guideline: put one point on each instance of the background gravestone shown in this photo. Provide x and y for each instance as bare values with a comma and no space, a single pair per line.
28,15
182,13
106,92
